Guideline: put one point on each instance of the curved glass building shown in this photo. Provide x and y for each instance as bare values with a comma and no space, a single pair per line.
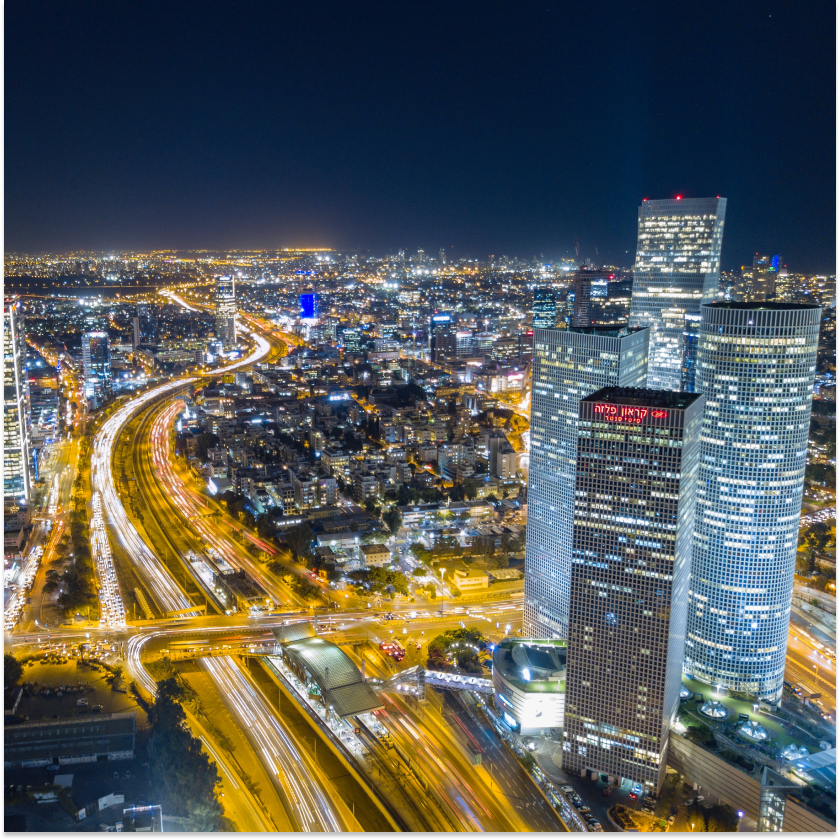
677,268
755,366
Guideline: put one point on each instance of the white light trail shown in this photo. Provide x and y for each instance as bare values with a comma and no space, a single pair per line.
163,588
311,807
111,606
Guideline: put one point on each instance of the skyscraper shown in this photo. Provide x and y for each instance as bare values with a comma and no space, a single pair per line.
677,269
758,281
96,364
226,311
637,461
755,366
545,308
16,483
568,365
691,335
309,305
582,287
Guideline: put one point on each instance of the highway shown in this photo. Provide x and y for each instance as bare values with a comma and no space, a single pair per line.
165,591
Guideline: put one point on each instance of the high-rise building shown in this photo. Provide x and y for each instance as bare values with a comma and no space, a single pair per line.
226,311
568,366
309,305
691,335
442,256
96,364
443,339
352,341
16,482
677,268
588,286
755,366
545,308
758,281
637,463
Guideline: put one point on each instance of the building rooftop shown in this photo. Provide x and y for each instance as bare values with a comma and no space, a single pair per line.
642,396
335,674
772,306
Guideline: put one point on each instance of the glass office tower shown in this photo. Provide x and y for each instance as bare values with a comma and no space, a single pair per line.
226,311
568,365
545,308
755,366
96,364
16,481
677,269
637,460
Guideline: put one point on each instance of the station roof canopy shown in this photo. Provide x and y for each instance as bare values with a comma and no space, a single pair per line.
329,667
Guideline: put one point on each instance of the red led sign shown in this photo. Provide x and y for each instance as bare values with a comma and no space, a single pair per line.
627,413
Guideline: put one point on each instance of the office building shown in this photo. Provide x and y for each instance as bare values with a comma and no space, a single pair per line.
568,366
529,684
691,335
352,341
677,269
309,305
226,311
545,308
443,337
16,478
755,366
637,464
589,288
96,365
758,281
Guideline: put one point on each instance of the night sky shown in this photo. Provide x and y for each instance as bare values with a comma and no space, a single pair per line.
503,128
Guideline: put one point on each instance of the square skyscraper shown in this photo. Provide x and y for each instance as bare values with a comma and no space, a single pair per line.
677,269
568,365
637,462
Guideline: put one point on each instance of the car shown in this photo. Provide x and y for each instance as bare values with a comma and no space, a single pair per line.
95,710
608,790
567,789
583,809
532,746
81,703
633,795
648,811
671,819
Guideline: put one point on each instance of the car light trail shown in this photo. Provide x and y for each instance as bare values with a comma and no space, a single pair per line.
163,588
192,506
111,606
311,808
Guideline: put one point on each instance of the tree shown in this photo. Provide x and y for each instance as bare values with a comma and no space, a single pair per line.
12,671
205,441
183,778
457,493
393,519
299,539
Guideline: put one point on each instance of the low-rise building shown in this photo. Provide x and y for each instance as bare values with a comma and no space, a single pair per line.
467,581
376,554
85,739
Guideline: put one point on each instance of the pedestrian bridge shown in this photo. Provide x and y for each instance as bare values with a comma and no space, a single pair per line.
421,677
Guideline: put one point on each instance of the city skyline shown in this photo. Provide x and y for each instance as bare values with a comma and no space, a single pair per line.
289,168
420,417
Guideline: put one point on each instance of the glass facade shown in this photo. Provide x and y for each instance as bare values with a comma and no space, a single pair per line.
16,484
568,365
545,308
677,268
637,463
691,335
755,366
226,311
96,364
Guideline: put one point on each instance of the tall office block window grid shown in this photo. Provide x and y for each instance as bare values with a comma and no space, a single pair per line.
755,366
545,308
677,268
637,463
16,480
226,311
568,365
